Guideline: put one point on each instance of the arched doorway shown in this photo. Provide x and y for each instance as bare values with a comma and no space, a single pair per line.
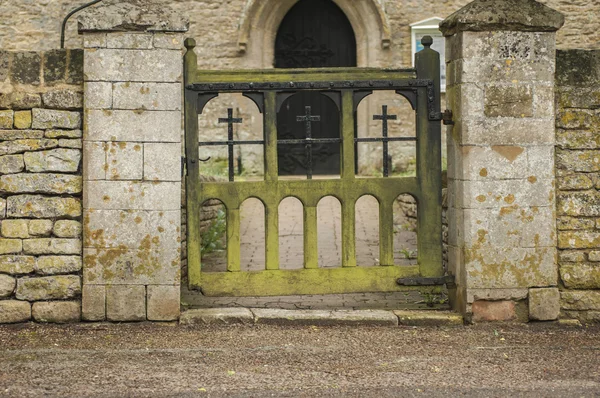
314,34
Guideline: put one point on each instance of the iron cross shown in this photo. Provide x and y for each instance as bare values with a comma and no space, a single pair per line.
384,117
308,119
230,122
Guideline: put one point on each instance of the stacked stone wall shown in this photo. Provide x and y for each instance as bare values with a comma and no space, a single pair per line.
578,178
40,185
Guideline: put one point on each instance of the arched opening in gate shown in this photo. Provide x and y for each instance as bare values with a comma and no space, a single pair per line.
313,34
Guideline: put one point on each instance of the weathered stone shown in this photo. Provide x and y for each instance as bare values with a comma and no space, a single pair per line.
63,99
132,195
63,134
26,68
149,96
7,285
508,101
2,208
11,164
65,160
126,303
576,68
494,15
496,294
55,66
15,229
18,100
125,161
94,160
579,204
577,139
209,316
23,119
94,40
40,227
50,119
127,125
575,182
5,58
34,206
98,95
10,246
161,162
10,135
13,311
494,311
594,256
6,119
544,304
57,312
579,239
577,119
571,257
52,246
428,318
168,40
41,183
578,161
75,67
323,317
17,265
67,143
578,97
574,223
93,302
48,288
67,229
53,265
20,146
580,276
582,300
163,303
131,40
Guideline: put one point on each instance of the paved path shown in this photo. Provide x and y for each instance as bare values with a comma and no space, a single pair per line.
98,360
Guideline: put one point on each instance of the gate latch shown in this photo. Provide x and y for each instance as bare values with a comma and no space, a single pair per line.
447,117
444,280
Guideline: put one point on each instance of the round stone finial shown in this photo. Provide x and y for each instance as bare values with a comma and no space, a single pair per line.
189,43
427,41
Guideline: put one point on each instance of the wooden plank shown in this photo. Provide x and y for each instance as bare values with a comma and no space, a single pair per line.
311,248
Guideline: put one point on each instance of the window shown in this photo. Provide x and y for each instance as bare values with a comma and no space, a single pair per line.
430,27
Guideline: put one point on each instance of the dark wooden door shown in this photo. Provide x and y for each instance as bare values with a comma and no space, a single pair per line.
314,34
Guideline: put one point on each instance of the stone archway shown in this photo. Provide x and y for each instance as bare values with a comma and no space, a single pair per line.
261,19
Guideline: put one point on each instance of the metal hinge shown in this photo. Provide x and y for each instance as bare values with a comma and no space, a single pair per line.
447,118
444,280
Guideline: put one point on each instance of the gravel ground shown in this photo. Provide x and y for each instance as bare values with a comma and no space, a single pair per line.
146,360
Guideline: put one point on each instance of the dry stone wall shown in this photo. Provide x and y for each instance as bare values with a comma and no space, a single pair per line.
40,185
578,177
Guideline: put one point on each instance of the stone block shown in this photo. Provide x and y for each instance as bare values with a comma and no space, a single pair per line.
219,316
62,160
577,119
571,257
67,143
488,194
55,265
11,164
127,125
93,303
496,294
11,246
162,162
63,99
428,318
574,223
578,239
126,303
23,119
15,229
35,206
17,265
578,161
580,275
125,161
52,246
5,58
41,183
13,311
40,227
577,139
488,311
98,95
133,65
75,68
147,96
94,160
138,41
576,68
594,256
508,101
7,285
2,208
575,182
94,40
63,134
57,312
6,119
505,132
132,195
578,97
579,300
20,146
324,317
168,41
49,288
489,70
11,135
51,119
67,229
55,66
18,100
579,204
163,303
26,68
544,304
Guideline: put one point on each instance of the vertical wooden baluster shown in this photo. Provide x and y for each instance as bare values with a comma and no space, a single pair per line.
311,248
233,240
386,233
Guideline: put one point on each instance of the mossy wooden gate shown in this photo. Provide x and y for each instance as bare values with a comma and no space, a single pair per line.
346,87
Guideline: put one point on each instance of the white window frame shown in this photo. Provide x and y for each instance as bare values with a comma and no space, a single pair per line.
429,26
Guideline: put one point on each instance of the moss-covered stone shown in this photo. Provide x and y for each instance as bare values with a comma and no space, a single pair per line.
62,160
18,100
17,265
24,145
580,276
35,206
55,66
57,312
53,265
578,239
23,119
579,204
50,119
6,119
41,183
10,246
15,229
7,285
40,227
52,246
582,300
67,229
26,68
11,164
13,311
48,288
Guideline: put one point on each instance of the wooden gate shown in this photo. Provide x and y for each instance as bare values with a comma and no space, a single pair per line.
346,87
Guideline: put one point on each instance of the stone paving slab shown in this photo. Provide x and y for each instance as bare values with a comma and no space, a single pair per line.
323,318
209,316
428,318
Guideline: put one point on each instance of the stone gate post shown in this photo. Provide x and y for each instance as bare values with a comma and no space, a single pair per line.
502,237
132,161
